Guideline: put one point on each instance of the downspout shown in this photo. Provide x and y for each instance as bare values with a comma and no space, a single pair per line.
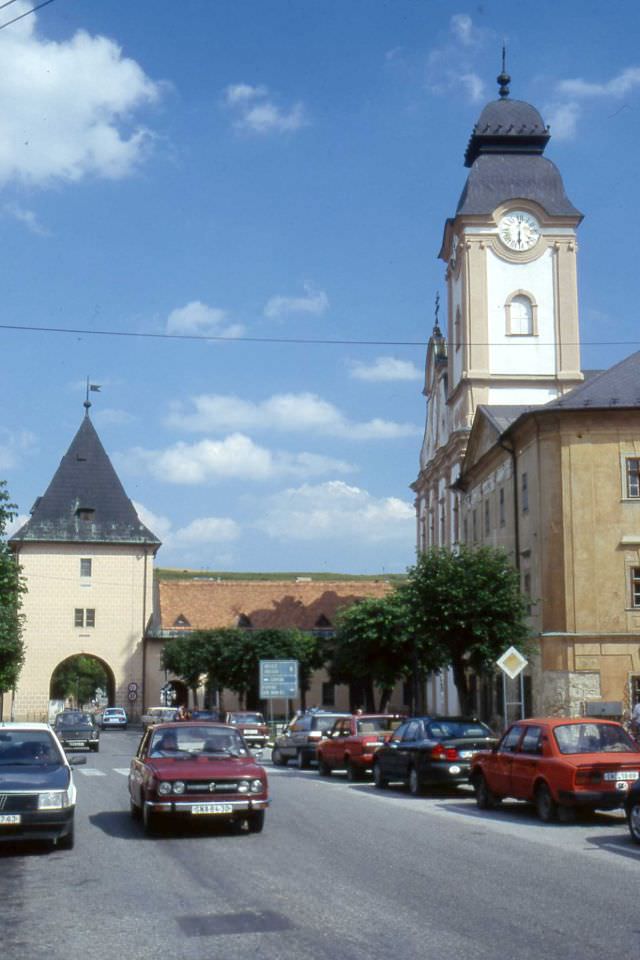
516,506
144,634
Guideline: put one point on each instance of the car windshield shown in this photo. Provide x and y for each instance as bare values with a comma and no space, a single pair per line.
457,730
189,741
27,748
74,720
593,738
378,724
246,718
323,723
113,713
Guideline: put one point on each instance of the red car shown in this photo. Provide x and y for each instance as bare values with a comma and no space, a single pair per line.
352,741
252,726
195,771
558,764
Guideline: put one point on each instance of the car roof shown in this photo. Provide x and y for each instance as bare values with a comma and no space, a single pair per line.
114,710
17,725
185,724
559,721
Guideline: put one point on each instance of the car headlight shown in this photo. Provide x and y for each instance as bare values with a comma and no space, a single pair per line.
178,787
244,786
53,800
164,787
257,786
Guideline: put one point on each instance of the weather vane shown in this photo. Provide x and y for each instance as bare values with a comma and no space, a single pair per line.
93,388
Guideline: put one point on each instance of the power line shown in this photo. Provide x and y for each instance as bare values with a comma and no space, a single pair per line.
308,341
22,15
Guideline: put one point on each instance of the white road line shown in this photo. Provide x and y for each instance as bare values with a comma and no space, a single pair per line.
92,772
123,770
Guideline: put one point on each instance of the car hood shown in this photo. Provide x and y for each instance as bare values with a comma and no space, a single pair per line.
46,777
169,768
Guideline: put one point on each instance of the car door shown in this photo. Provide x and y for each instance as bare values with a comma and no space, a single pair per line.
499,763
405,755
525,763
331,744
388,755
137,769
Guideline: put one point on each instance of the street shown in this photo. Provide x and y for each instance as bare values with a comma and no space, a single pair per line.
341,872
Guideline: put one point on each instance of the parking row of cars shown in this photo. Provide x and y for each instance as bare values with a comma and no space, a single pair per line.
560,765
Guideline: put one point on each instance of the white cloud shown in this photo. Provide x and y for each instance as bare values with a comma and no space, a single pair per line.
337,511
197,319
15,525
570,96
26,217
113,416
160,526
451,67
385,369
286,412
14,446
236,457
314,302
202,530
66,107
257,113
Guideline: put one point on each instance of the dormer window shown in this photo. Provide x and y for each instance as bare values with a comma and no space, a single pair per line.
244,622
85,513
322,623
181,621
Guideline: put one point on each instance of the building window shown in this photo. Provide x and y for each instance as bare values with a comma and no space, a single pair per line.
465,530
85,568
456,327
84,618
487,518
633,477
85,513
501,506
521,315
635,586
442,523
474,525
524,493
328,695
181,621
244,622
526,589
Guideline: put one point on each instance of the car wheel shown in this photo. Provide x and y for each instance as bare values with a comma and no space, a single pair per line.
256,821
546,806
134,810
149,820
485,798
66,842
276,758
633,820
323,768
95,747
379,780
353,774
415,788
302,760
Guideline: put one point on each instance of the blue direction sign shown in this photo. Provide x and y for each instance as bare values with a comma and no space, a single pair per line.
278,679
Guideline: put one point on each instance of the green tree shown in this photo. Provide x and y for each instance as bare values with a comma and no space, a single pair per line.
465,609
78,678
372,648
12,587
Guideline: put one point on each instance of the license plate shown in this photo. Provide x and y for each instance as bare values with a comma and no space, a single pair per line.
466,754
621,775
212,808
251,732
9,818
76,743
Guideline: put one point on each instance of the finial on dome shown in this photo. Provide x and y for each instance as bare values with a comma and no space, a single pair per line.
504,79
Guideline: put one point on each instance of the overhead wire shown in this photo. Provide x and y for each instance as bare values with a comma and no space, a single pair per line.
39,6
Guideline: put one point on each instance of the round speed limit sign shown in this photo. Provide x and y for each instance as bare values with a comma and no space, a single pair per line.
133,695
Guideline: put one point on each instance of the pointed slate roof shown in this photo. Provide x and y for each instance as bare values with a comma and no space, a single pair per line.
611,389
85,501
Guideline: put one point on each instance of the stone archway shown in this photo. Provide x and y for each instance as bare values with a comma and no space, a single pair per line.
80,679
178,693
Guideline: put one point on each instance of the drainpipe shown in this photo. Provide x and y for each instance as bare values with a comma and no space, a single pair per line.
144,634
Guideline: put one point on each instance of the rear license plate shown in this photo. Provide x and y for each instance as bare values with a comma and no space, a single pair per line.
251,732
212,808
466,754
76,743
621,775
9,818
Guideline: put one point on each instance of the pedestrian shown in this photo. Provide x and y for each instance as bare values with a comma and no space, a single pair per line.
182,713
635,720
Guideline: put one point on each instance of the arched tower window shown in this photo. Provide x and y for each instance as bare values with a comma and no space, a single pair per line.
521,317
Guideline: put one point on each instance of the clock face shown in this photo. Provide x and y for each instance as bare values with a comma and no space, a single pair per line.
519,230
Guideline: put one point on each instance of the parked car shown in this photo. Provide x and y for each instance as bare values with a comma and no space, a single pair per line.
299,739
158,715
192,770
113,718
36,785
252,726
430,751
207,715
351,743
75,729
559,764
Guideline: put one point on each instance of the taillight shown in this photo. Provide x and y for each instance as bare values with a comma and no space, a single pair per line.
440,752
587,775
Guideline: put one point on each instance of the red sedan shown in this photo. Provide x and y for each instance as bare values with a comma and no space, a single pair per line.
196,771
558,764
352,741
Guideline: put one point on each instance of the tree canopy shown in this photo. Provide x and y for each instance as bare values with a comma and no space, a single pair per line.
78,678
465,609
12,587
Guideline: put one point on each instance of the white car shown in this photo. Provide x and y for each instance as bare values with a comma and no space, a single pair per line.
114,717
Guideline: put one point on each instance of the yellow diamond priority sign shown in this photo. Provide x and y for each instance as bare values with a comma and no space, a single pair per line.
512,662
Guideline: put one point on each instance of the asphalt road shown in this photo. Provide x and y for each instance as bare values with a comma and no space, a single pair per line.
341,872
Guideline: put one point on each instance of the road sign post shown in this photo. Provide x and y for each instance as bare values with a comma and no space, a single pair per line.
278,681
512,664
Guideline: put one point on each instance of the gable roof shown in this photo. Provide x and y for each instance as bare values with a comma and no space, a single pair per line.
85,501
617,387
209,604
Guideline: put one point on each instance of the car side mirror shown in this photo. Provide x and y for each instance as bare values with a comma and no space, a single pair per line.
77,761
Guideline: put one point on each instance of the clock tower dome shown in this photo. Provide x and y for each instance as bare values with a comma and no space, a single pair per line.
510,251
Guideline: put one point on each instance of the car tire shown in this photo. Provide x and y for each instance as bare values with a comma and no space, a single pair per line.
276,758
485,798
95,747
302,760
415,787
633,820
323,768
66,842
134,810
256,821
546,807
149,821
353,773
379,780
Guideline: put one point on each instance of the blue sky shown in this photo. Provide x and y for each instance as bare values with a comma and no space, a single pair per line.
263,170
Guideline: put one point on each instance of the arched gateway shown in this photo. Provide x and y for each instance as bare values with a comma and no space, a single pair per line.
88,565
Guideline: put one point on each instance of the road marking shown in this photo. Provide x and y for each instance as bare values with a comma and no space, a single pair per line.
123,770
92,772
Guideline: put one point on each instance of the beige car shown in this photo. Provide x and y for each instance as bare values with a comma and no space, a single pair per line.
158,715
